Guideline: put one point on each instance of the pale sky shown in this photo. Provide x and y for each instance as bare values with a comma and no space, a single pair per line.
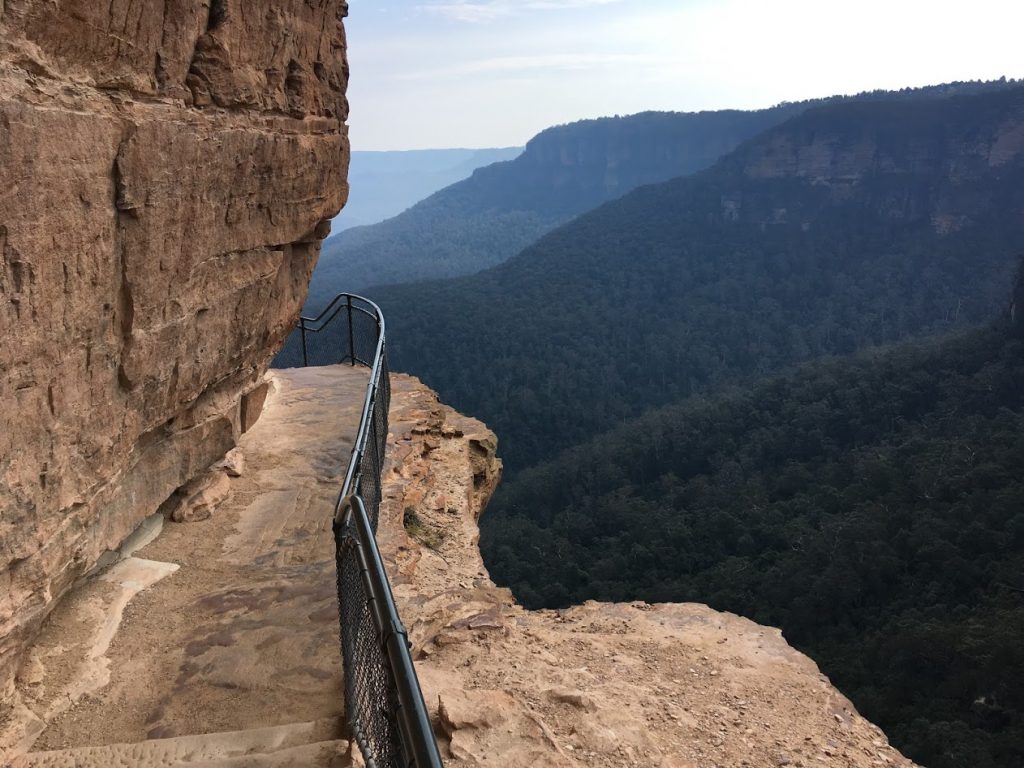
491,73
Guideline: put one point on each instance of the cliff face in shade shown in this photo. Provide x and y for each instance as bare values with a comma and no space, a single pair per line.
168,169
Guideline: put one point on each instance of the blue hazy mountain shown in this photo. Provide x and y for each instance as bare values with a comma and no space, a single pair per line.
502,208
383,184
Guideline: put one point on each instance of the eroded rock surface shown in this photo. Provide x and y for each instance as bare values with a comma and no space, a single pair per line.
167,166
217,626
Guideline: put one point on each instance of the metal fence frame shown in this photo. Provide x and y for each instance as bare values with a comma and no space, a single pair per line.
383,700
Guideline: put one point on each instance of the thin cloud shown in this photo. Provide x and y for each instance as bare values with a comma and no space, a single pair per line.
561,62
475,11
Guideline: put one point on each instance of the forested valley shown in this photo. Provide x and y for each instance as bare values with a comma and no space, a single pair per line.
785,386
753,265
564,171
871,506
383,184
504,207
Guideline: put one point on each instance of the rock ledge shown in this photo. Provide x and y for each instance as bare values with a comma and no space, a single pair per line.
677,686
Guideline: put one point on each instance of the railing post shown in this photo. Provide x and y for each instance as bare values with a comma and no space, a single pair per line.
302,328
351,338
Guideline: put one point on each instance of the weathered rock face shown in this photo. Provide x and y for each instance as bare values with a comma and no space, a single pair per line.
167,166
949,163
824,149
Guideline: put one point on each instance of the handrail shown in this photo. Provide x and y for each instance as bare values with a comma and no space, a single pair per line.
416,732
353,475
383,700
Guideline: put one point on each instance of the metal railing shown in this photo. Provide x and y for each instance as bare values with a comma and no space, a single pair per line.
383,701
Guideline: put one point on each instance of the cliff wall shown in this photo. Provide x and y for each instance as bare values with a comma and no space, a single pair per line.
952,161
168,170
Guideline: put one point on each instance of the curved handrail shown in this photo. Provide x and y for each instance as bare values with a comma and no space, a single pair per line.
353,475
388,717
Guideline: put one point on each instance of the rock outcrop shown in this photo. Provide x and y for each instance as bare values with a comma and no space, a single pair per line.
962,151
676,686
169,167
823,149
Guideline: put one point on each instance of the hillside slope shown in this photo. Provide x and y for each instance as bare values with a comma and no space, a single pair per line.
853,225
563,172
872,507
383,184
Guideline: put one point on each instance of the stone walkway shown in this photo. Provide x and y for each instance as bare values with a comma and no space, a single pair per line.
217,639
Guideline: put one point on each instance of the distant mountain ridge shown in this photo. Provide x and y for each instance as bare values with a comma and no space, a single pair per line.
563,172
504,207
857,223
383,184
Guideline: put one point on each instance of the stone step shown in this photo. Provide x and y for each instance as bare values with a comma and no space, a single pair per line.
314,744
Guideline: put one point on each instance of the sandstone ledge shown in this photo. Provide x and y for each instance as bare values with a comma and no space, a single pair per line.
168,167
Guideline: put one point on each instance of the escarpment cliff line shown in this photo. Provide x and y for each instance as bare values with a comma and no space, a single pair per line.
169,168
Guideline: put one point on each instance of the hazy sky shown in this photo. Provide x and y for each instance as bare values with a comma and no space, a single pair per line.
486,73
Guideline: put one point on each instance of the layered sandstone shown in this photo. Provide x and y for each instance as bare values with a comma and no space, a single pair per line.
822,149
168,170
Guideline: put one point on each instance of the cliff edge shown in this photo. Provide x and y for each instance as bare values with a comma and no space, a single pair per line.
677,686
169,168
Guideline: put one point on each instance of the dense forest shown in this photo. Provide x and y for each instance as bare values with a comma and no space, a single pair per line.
744,269
871,506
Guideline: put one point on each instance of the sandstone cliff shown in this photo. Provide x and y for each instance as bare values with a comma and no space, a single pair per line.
950,161
168,167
